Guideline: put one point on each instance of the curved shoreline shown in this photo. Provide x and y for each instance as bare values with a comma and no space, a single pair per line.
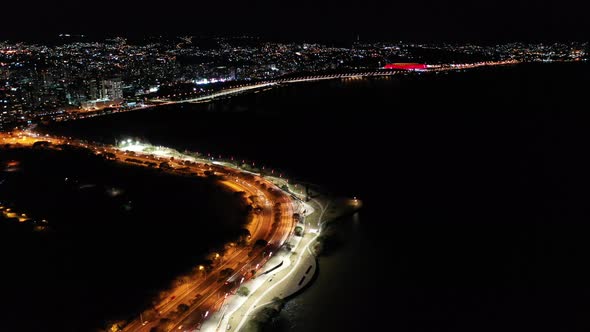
293,278
276,204
255,86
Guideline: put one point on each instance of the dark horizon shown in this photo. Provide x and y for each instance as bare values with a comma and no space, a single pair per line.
49,38
425,21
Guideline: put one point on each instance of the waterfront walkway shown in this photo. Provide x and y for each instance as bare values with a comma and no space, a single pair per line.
289,272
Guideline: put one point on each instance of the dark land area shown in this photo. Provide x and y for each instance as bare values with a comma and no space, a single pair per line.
115,235
474,184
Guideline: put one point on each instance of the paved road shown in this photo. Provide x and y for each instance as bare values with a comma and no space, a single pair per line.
206,294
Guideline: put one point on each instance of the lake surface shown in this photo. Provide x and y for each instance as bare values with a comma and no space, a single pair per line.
475,187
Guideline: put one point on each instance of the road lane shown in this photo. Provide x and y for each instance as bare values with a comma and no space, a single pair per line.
211,290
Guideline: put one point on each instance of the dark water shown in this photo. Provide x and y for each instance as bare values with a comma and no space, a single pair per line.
475,186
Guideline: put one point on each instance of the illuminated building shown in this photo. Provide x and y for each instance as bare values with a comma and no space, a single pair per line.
406,66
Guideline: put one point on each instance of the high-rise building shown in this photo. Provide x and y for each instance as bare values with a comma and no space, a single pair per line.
112,89
4,73
11,108
106,89
93,90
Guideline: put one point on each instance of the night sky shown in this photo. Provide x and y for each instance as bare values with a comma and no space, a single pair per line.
418,20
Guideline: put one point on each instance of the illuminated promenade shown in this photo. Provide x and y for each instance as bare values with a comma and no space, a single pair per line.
204,296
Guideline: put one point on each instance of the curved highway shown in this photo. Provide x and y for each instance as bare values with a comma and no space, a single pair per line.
274,224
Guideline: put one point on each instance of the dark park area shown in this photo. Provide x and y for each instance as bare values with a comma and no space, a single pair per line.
87,240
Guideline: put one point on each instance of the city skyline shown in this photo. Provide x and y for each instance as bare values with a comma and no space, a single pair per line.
79,77
294,166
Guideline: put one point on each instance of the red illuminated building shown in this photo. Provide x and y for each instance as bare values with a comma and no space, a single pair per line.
406,66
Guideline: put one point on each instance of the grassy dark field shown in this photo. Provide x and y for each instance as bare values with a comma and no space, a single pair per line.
116,235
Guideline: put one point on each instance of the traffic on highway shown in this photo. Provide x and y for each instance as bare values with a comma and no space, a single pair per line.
190,304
